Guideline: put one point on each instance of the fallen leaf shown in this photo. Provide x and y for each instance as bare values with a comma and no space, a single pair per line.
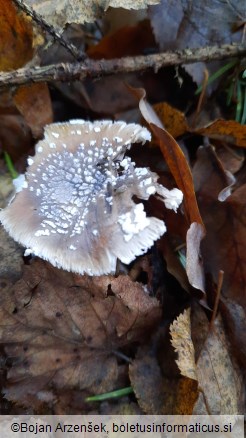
34,104
15,36
194,266
180,331
178,25
126,41
6,187
181,172
234,318
11,261
220,380
225,130
174,158
173,264
231,159
146,380
62,330
173,120
108,95
157,384
176,124
77,11
223,248
15,135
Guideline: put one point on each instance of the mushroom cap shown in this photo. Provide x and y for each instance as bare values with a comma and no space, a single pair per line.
75,208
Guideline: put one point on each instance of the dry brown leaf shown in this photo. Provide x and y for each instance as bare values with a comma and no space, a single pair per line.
174,266
81,11
224,245
181,172
62,330
126,41
234,318
6,186
174,158
194,267
146,380
11,261
173,120
108,95
225,130
176,124
157,384
15,36
218,375
34,104
178,25
181,341
231,159
15,135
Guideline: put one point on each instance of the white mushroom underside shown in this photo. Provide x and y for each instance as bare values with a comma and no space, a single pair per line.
75,207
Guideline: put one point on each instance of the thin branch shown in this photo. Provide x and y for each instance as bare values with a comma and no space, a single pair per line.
39,20
96,68
217,299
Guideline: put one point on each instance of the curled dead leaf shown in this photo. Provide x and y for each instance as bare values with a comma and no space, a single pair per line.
181,172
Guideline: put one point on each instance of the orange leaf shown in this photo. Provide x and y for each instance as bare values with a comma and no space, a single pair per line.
126,41
226,130
180,170
15,36
176,124
173,156
174,120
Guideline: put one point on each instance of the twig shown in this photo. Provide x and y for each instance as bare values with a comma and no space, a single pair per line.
50,29
95,68
217,298
201,98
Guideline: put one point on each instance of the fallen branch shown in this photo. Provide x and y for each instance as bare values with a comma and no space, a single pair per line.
96,68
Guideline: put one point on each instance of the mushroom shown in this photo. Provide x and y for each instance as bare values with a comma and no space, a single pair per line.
74,206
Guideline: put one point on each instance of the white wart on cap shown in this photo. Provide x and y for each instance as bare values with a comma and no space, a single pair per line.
74,207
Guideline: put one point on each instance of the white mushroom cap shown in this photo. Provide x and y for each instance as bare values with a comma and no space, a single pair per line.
75,208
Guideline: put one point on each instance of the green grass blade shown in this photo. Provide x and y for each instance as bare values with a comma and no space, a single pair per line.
239,102
10,166
243,119
113,394
217,74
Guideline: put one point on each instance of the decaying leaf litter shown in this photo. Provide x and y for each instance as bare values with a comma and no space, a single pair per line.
151,325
